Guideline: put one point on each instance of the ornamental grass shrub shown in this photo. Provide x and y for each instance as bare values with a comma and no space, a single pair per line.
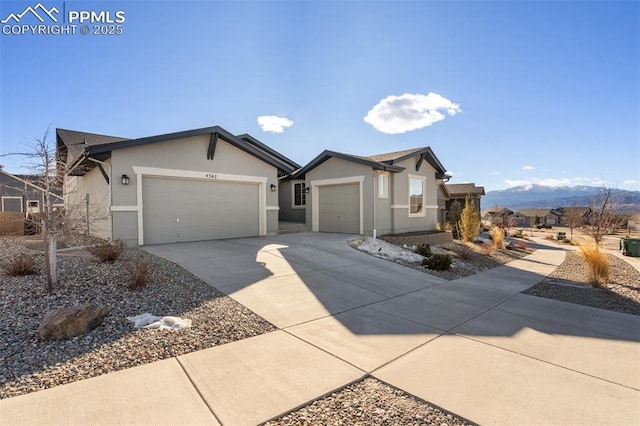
19,265
109,251
597,262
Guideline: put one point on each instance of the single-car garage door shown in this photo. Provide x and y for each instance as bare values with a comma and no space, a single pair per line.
339,208
179,210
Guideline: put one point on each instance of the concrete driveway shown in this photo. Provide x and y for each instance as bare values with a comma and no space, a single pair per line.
474,346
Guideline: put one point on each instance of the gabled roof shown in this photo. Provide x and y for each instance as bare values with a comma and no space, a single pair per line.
275,154
325,155
380,161
75,142
391,156
538,212
462,189
425,152
100,146
498,211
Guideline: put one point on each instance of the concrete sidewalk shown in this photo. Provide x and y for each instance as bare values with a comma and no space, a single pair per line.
473,346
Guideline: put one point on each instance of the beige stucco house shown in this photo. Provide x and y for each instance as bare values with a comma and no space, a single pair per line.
192,185
376,195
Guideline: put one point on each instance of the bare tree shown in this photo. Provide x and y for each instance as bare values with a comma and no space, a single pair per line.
41,159
573,217
603,218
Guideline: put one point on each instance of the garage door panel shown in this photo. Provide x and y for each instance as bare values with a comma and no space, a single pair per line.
339,208
178,210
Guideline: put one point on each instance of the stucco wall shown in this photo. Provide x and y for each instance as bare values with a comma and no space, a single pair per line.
335,168
94,184
400,205
285,198
188,154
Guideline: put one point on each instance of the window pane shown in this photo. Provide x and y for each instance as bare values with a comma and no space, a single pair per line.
416,195
382,185
299,197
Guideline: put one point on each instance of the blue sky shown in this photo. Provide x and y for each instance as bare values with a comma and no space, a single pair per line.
505,93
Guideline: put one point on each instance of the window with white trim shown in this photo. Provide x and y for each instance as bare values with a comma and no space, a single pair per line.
299,197
383,185
417,185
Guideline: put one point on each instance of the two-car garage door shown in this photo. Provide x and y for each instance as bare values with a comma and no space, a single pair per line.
180,210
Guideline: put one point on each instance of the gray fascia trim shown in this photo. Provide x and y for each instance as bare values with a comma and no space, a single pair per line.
213,141
104,174
247,137
325,155
228,137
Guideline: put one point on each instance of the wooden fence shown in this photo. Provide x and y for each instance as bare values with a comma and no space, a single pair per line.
12,223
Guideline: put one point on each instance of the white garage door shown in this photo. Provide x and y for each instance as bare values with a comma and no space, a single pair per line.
339,208
180,210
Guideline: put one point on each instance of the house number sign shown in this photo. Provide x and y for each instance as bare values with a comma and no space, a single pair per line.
211,176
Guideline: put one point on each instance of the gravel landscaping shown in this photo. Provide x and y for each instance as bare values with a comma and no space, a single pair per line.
28,364
570,283
465,259
368,402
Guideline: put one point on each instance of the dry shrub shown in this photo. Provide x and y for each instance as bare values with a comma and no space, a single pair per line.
487,249
424,250
498,238
20,265
517,244
597,262
438,262
138,274
108,252
464,250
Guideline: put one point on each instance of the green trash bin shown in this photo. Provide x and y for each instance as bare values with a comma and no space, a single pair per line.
631,247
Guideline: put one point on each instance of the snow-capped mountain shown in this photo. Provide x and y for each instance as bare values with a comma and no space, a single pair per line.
539,196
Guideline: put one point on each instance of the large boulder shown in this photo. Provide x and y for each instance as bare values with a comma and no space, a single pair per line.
64,323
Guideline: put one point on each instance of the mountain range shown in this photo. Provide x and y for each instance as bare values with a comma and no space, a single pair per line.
540,196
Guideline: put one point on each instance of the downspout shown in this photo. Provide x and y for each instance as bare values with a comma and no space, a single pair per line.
374,186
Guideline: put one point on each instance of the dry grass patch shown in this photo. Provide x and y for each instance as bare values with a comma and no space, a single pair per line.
498,238
597,262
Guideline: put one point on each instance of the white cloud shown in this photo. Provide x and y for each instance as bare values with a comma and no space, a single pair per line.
494,173
273,123
527,168
400,114
630,182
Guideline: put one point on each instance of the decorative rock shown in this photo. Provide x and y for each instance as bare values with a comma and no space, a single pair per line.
64,323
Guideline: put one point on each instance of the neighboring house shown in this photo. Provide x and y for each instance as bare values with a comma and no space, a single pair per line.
459,191
539,216
381,194
186,186
566,213
22,194
443,197
497,215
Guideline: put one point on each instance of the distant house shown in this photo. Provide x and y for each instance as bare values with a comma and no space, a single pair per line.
566,213
539,216
20,193
387,193
459,191
497,215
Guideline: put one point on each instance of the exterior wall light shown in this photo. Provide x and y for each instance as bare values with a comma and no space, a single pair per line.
125,180
273,188
307,190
